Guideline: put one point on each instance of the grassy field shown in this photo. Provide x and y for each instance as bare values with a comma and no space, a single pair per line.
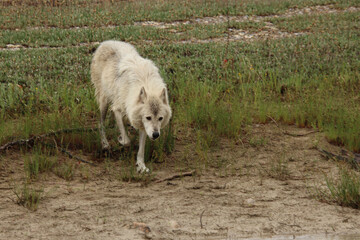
217,88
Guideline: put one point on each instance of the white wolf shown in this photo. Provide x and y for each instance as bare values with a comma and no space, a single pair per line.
131,86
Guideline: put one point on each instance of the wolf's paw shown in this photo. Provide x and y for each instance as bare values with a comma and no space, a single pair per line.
141,168
125,141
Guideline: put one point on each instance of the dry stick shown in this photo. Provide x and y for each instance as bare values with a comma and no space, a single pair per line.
31,140
354,163
176,176
70,155
300,135
291,134
67,153
201,215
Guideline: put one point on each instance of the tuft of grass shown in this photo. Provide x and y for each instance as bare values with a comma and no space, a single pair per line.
129,174
85,173
258,141
65,170
279,170
38,163
28,197
344,191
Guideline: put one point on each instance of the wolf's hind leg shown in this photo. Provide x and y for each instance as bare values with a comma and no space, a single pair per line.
103,105
123,138
140,165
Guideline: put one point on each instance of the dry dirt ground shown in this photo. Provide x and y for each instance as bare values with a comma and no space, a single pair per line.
238,196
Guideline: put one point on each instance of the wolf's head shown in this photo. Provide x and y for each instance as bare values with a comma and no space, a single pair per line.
154,112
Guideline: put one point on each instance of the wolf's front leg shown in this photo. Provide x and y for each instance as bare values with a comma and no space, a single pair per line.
123,138
103,105
140,165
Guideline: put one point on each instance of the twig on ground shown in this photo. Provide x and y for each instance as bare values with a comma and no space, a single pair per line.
176,176
32,139
292,134
300,135
70,155
201,215
354,160
274,121
142,226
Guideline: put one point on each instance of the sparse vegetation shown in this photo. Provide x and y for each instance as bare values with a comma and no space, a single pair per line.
37,163
344,190
279,170
65,170
27,196
217,88
257,142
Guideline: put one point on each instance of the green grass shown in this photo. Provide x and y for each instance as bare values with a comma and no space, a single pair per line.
57,37
279,170
216,89
88,13
212,87
28,197
344,191
69,37
38,163
322,23
65,170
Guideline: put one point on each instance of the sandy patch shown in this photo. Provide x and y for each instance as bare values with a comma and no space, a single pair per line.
236,197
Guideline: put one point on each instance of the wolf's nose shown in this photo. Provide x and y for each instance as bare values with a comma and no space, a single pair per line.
156,135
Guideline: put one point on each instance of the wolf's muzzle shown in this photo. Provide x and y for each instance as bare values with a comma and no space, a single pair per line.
155,135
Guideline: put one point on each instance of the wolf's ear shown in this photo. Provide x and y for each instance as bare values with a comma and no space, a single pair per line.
163,96
142,96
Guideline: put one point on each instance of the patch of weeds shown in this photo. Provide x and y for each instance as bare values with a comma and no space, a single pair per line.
279,170
28,197
344,191
204,143
85,173
186,156
129,174
108,165
258,142
38,163
225,168
219,162
65,170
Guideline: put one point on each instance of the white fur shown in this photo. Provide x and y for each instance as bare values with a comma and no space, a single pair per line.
131,86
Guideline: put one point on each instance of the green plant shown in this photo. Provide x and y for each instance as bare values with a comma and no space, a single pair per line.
344,191
65,170
28,197
128,173
38,162
258,141
279,170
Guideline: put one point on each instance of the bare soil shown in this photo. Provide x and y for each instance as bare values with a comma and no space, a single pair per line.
239,194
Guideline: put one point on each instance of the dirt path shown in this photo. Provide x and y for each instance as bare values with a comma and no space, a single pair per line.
292,12
238,196
269,31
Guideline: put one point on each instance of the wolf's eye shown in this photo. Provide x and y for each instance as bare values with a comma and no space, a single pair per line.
160,118
148,118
